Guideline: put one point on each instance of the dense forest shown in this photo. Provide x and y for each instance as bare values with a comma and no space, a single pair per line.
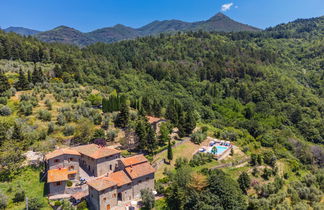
263,90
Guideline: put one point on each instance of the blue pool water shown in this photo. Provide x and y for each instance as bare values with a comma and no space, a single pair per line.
220,149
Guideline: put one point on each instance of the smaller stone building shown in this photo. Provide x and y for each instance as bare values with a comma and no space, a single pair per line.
62,165
155,122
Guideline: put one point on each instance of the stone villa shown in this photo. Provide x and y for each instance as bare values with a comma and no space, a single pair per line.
113,179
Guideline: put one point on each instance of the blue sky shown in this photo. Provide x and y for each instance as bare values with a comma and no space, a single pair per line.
87,15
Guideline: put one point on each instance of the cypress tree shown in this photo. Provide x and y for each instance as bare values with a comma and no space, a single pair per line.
122,119
4,83
57,71
141,133
22,83
170,153
190,123
151,140
29,77
182,124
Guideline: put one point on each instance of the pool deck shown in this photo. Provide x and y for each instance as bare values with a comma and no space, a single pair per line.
219,143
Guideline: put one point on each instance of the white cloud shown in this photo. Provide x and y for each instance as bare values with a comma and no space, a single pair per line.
226,7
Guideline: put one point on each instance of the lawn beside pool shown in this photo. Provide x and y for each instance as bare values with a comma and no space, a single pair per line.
27,180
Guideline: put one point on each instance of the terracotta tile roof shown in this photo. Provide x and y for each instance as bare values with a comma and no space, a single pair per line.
80,195
137,159
101,184
57,175
96,152
154,119
139,170
59,152
119,177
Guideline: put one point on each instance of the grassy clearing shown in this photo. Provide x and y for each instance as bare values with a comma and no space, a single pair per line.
184,150
27,180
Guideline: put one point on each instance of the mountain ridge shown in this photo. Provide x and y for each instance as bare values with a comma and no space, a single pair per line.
21,31
68,35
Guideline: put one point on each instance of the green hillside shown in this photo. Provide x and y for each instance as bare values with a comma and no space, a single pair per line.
261,90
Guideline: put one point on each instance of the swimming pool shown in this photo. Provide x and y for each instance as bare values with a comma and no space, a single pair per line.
220,149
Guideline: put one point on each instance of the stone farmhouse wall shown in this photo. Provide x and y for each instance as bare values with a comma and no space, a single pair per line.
88,164
126,192
55,189
108,197
64,161
106,165
145,182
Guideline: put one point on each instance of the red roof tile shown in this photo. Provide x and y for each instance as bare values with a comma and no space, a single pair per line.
80,195
96,152
101,184
59,152
140,170
152,120
119,177
58,175
137,159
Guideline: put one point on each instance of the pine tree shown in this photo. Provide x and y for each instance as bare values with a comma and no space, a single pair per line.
22,83
170,153
4,83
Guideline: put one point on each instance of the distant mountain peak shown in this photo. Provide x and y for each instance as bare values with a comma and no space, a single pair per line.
62,27
218,16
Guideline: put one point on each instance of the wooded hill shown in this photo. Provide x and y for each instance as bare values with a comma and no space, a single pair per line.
261,90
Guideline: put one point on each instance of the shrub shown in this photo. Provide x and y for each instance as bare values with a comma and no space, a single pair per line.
34,204
97,119
48,104
3,100
5,111
44,115
3,201
82,205
69,183
267,173
25,108
148,198
99,134
19,196
200,159
198,137
180,162
61,119
57,203
111,135
51,128
42,134
68,130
